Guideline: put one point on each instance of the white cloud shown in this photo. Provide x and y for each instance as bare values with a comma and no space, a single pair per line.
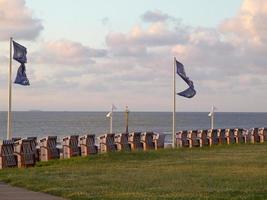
227,64
17,21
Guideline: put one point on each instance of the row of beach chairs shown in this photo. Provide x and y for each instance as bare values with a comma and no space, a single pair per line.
199,138
26,152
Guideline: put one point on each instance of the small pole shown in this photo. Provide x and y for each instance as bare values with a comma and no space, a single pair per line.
110,130
127,119
9,114
212,117
174,104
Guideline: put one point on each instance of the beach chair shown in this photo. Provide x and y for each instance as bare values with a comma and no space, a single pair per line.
70,145
7,157
182,139
253,135
203,135
121,141
87,143
107,143
35,148
222,136
231,138
24,152
263,134
134,140
158,140
194,140
147,140
212,137
240,137
48,148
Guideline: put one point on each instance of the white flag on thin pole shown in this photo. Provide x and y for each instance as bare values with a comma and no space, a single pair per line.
108,115
211,115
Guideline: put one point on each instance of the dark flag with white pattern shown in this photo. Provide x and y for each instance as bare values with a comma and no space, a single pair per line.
189,92
19,55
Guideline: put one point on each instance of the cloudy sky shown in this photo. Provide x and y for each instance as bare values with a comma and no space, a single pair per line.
84,55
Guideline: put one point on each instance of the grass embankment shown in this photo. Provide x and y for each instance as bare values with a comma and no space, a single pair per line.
221,172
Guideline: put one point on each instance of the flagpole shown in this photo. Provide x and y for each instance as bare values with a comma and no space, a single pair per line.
212,117
110,130
126,120
174,104
9,114
111,119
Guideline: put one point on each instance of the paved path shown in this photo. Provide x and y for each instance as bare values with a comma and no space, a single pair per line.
8,192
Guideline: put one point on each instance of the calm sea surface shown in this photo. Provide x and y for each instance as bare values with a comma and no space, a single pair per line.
65,123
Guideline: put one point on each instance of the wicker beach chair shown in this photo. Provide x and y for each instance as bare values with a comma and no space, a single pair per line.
263,134
182,139
231,138
87,143
147,140
203,135
253,135
239,134
107,143
48,148
7,157
194,140
134,140
212,137
24,152
222,136
121,141
158,140
70,145
35,148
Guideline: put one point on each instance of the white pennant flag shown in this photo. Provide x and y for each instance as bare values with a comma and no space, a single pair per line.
109,114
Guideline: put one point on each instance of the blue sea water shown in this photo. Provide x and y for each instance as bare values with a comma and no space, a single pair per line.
41,124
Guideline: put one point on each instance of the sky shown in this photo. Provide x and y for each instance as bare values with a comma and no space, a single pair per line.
84,55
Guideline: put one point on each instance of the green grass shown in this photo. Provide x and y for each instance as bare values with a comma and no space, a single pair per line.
221,172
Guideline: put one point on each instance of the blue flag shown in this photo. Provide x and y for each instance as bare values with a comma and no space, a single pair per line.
19,55
189,92
21,77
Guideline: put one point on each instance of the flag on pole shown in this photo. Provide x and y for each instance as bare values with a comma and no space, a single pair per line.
109,115
213,108
19,55
189,92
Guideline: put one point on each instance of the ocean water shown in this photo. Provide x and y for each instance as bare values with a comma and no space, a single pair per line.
41,124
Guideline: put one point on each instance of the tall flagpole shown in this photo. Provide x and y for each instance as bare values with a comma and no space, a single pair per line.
174,104
212,117
9,114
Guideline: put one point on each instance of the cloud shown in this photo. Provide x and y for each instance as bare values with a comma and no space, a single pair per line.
67,53
155,16
227,64
17,21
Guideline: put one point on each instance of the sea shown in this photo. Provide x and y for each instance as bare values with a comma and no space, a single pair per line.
41,124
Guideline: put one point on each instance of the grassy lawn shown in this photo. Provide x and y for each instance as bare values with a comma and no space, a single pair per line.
221,172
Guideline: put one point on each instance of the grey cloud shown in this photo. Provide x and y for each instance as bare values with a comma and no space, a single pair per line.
155,16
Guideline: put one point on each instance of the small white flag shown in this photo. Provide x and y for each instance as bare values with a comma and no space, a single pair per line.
213,108
109,114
